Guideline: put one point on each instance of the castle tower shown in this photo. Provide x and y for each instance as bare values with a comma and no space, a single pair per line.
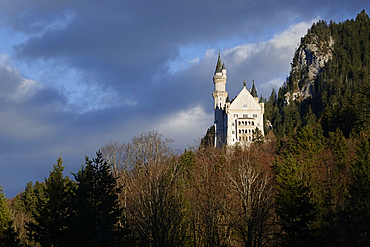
219,80
220,97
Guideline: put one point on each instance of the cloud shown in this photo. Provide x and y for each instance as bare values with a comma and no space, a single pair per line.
185,126
13,86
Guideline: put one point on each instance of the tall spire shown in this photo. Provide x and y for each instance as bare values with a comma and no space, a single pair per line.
219,64
254,91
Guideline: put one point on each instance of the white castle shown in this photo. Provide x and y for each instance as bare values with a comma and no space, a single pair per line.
235,121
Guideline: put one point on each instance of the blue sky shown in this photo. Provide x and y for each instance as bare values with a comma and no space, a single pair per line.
75,75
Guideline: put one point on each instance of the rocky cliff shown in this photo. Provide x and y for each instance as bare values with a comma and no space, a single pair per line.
309,59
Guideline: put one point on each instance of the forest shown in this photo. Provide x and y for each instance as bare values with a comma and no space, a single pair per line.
306,183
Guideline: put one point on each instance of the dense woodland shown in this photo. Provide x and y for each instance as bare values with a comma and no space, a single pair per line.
307,183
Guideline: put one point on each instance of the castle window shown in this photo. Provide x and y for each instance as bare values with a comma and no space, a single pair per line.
233,132
235,115
249,123
232,124
240,131
254,115
244,105
245,115
242,122
240,138
252,123
239,122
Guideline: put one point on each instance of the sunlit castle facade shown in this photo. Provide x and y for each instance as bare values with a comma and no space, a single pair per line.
235,121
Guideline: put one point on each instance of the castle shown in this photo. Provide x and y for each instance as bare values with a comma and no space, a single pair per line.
235,121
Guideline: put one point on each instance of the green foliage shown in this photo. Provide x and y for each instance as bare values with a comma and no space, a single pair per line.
360,186
8,236
49,225
4,213
342,87
96,212
257,137
209,139
188,159
294,205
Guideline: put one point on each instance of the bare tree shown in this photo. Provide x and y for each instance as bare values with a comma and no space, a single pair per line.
149,147
152,202
253,191
209,199
156,205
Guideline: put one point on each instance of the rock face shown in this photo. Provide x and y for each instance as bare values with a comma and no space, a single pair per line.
310,58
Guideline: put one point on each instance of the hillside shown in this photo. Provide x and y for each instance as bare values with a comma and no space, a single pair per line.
329,80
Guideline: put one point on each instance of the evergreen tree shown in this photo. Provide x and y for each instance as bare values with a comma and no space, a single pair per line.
294,206
49,225
209,139
257,137
96,217
359,197
4,215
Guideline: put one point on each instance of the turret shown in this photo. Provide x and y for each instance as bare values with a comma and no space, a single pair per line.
254,91
219,80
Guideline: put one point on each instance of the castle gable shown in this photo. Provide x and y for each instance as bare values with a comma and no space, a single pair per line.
244,100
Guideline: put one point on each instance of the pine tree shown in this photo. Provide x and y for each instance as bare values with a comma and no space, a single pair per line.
294,206
4,215
359,189
49,225
257,137
96,217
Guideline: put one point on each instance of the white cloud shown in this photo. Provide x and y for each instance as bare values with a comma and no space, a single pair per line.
291,36
279,44
180,64
25,90
14,86
275,83
185,125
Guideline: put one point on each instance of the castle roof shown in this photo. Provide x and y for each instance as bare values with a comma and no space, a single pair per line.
219,66
254,91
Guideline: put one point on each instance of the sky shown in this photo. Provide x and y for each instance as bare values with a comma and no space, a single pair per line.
75,75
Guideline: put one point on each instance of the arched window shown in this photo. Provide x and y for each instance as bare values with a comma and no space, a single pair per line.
249,123
239,122
252,123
